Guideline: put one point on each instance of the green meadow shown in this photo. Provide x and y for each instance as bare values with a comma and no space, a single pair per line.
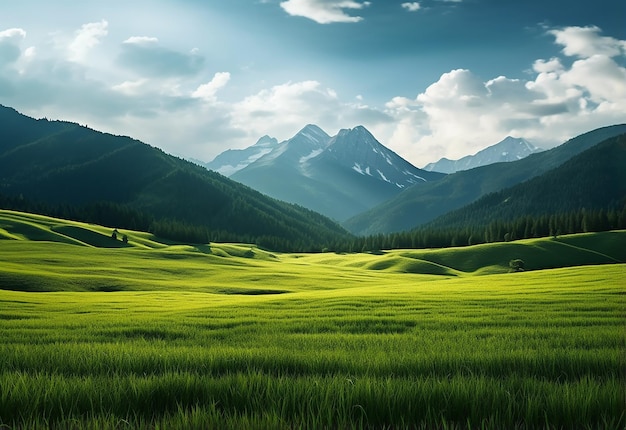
101,334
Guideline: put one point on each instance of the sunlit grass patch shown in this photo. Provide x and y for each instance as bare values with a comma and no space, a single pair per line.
528,349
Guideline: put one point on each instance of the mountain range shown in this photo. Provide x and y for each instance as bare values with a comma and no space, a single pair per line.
509,149
338,176
60,163
419,205
593,180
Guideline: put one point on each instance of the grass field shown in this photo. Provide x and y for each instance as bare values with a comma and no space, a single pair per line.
100,334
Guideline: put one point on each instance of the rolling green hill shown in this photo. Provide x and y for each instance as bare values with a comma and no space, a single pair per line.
41,253
419,205
61,164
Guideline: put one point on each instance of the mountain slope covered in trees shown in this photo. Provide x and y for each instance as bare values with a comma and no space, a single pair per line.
593,180
60,164
419,205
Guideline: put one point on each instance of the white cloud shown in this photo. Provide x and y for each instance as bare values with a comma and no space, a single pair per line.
141,40
86,39
12,33
547,66
462,113
585,42
324,11
30,52
283,109
412,6
207,91
130,87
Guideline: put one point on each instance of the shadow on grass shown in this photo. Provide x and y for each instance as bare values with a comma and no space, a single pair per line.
249,291
89,237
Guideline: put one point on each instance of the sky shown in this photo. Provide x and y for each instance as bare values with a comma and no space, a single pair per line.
429,78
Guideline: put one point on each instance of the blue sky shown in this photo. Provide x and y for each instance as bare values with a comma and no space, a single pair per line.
430,78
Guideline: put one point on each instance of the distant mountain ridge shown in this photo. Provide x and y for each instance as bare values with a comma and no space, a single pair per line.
593,180
419,205
338,176
233,160
509,149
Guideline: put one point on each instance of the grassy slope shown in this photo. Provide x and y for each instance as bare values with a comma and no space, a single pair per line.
46,254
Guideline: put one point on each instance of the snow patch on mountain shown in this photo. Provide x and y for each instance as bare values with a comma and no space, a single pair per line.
228,169
406,172
313,154
357,167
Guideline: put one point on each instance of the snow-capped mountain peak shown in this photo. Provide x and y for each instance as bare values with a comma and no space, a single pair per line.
509,149
266,141
359,150
232,160
314,134
338,176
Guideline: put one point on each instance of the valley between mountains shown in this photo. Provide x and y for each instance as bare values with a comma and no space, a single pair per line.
357,181
313,191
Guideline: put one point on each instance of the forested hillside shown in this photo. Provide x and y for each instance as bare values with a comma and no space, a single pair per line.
419,205
65,169
594,180
585,194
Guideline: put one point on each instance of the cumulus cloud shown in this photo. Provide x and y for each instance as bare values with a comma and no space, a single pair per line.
462,113
147,57
12,33
412,6
86,38
284,106
324,11
586,42
284,109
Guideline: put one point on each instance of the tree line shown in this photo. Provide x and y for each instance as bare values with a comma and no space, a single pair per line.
523,227
116,215
271,234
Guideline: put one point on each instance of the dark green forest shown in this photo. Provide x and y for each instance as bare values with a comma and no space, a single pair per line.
281,237
523,227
